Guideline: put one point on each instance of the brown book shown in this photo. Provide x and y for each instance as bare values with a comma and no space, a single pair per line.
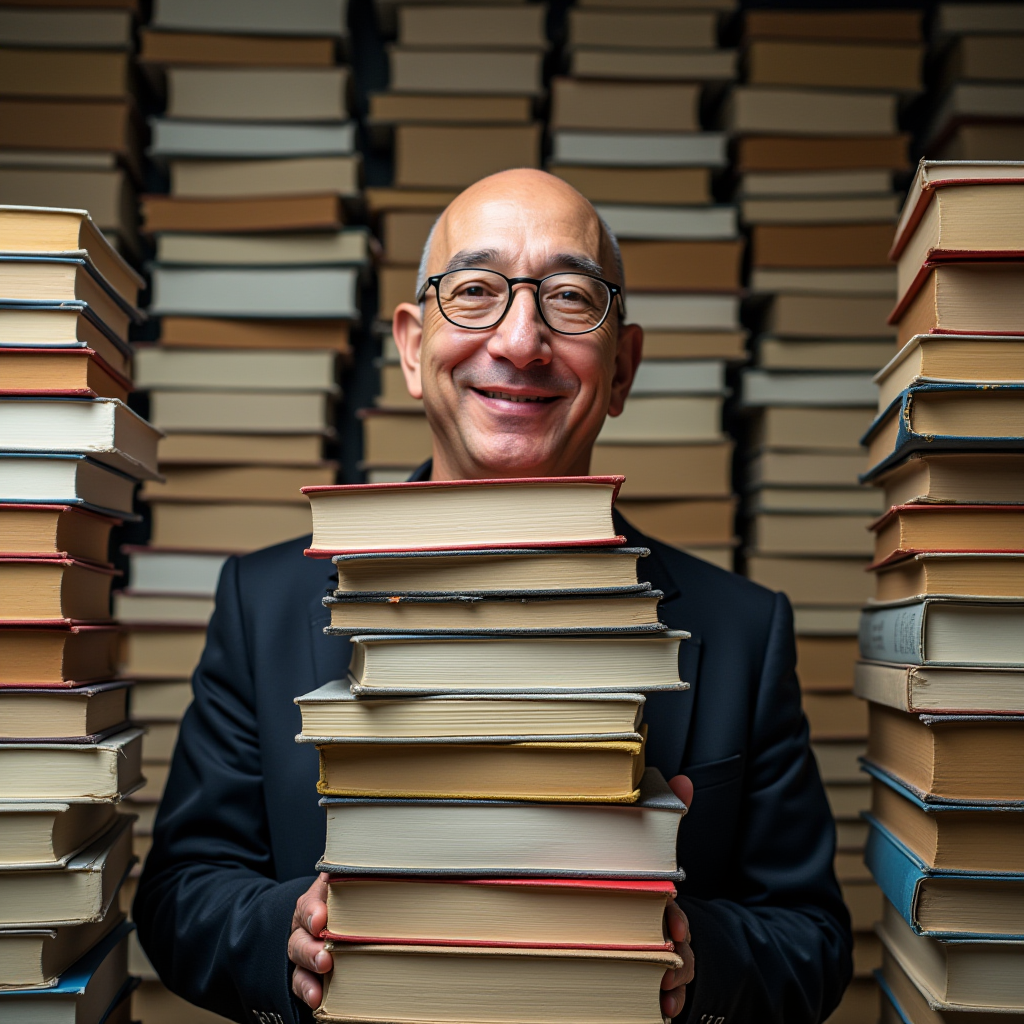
54,590
838,316
955,477
794,153
393,392
423,108
380,198
979,58
262,179
57,657
785,110
864,900
75,74
810,533
668,186
404,234
395,285
245,449
811,245
825,663
836,65
659,471
644,29
71,371
836,716
972,760
395,438
632,106
819,429
843,26
984,141
493,27
730,345
682,266
226,526
291,213
804,354
968,575
237,483
163,652
817,581
95,125
202,332
61,531
30,327
244,51
772,467
908,529
976,298
456,156
650,65
694,523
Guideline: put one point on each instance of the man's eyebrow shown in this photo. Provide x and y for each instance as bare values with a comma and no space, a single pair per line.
573,261
472,258
563,261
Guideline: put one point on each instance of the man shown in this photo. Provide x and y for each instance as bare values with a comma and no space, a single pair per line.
519,350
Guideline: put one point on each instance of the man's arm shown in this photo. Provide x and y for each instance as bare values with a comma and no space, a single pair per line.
210,916
780,950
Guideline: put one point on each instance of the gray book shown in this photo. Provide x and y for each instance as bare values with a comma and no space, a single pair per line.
228,139
683,223
253,17
640,149
679,377
763,387
671,312
64,29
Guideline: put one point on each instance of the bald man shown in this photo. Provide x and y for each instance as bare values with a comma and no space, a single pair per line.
519,347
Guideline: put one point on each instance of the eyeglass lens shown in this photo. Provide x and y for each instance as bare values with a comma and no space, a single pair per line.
570,303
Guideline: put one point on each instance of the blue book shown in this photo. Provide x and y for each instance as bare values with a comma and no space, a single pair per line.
65,478
913,422
945,903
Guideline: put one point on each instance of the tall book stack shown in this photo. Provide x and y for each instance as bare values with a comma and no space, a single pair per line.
71,453
626,131
465,88
496,849
69,113
941,639
977,86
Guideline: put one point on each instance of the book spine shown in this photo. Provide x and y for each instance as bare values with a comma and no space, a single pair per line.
893,634
890,685
897,876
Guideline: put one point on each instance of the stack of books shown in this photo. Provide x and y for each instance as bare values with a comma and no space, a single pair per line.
626,130
69,110
977,99
943,664
496,849
71,453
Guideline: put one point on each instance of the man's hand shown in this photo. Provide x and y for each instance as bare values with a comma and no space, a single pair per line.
673,984
306,948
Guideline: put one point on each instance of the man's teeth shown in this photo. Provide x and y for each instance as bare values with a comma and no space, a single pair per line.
513,398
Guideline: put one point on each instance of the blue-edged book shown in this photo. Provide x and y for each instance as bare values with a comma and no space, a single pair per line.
920,417
66,479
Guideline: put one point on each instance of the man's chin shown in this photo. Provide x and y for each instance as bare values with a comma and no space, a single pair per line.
517,456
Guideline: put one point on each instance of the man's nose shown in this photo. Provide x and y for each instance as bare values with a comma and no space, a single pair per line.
522,336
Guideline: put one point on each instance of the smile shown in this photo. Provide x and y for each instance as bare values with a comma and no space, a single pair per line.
504,396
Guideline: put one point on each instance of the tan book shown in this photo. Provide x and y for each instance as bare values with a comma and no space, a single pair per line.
651,30
497,27
789,354
393,392
983,141
632,106
835,65
161,700
78,74
161,653
824,581
57,657
806,469
396,284
454,156
810,245
654,419
930,689
653,65
840,316
819,282
152,1002
955,477
159,368
234,179
686,524
848,801
861,1001
819,210
880,26
131,609
836,716
916,528
32,713
53,325
511,72
825,664
244,449
864,900
404,234
240,412
839,765
387,108
201,332
88,126
78,372
835,534
291,213
158,47
931,573
979,58
667,471
795,153
379,198
682,266
395,438
238,483
815,499
226,526
778,110
728,345
54,590
839,429
63,531
666,186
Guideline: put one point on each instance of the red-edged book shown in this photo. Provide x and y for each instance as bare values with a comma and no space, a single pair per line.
35,530
910,529
66,372
533,512
539,913
61,657
54,591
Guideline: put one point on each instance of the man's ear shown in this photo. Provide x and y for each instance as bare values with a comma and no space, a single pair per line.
627,358
407,327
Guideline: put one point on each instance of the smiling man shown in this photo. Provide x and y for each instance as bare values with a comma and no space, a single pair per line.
520,348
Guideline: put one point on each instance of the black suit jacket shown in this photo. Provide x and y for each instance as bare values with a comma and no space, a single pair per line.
239,830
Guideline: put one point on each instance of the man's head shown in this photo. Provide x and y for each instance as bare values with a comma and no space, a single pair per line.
518,398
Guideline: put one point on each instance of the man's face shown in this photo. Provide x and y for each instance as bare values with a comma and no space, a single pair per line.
517,399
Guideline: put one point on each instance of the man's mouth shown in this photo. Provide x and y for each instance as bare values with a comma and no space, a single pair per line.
504,396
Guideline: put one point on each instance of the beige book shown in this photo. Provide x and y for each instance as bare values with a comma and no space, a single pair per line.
497,27
813,580
836,65
686,524
841,316
969,478
239,412
633,106
836,716
837,210
665,419
453,157
665,186
809,429
245,449
829,534
784,468
161,700
161,653
239,483
450,70
784,111
667,471
650,30
49,834
132,609
787,354
226,526
62,714
395,438
825,664
225,179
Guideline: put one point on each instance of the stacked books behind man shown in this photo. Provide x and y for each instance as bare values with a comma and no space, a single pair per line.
626,130
940,641
490,822
71,453
977,93
69,112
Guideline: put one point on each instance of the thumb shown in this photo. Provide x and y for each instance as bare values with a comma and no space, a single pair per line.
682,787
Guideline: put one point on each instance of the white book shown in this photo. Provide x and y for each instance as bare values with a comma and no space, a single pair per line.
253,17
679,377
672,312
256,292
57,28
653,419
240,412
227,370
640,149
103,428
310,248
191,574
684,223
763,387
507,73
225,139
65,480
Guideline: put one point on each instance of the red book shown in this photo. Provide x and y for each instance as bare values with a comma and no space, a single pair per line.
910,529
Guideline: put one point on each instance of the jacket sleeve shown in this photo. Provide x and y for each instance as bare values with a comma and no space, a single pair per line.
779,949
210,916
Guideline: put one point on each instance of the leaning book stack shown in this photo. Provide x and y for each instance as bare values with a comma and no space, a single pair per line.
71,453
942,659
496,848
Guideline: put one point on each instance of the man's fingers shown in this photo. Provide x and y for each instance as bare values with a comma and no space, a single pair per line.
672,1003
682,787
687,969
307,987
674,979
311,907
678,925
309,953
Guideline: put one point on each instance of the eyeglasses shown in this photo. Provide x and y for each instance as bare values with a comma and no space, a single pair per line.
479,299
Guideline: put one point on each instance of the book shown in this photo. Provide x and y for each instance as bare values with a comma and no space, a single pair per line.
79,892
133,609
469,838
942,631
500,984
224,139
804,184
639,149
883,65
255,411
452,70
949,417
880,26
810,499
663,266
773,387
72,372
211,332
705,223
823,468
688,470
238,483
160,368
106,770
983,140
676,312
418,664
158,48
942,903
454,156
816,580
57,657
826,663
282,213
690,524
548,912
54,530
49,834
237,527
233,179
808,533
835,716
803,354
779,110
279,95
489,28
679,377
818,210
812,429
530,769
653,65
964,758
245,449
320,249
253,17
648,30
165,652
974,101
962,298
944,573
55,591
85,126
104,429
839,766
652,418
635,106
975,478
911,529
256,292
390,108
86,714
60,481
980,58
839,316
86,29
825,246
332,712
161,700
